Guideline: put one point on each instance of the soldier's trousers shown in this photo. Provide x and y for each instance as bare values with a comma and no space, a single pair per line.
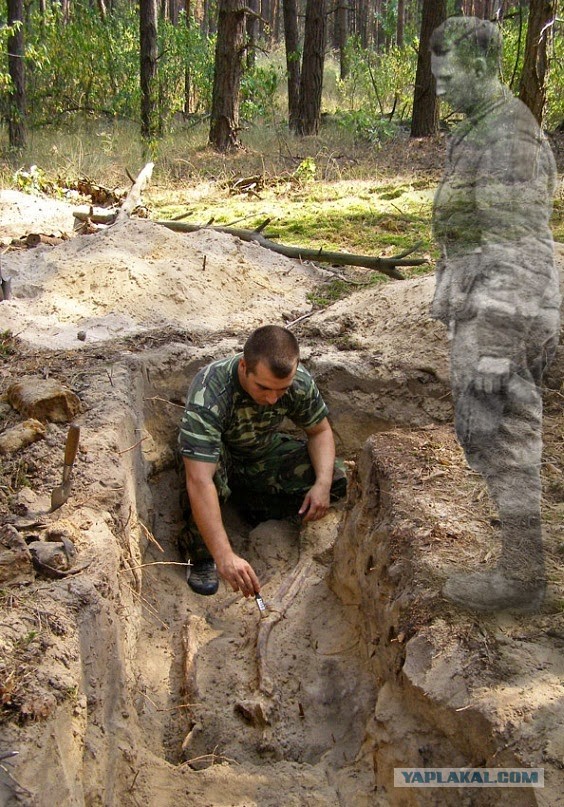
501,433
271,487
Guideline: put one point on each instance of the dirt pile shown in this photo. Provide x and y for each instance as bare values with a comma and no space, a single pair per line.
119,686
137,276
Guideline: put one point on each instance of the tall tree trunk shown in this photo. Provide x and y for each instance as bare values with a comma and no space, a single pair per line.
425,118
148,71
292,61
379,34
341,35
229,51
400,27
17,101
208,25
362,22
252,31
311,84
174,9
187,73
533,90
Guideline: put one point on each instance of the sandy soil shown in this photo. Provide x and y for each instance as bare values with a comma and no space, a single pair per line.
120,686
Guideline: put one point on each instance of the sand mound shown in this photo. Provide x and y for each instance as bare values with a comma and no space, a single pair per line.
21,213
137,275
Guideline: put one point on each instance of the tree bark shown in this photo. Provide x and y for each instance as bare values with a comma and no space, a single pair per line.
148,68
252,32
187,73
425,117
311,84
533,90
341,35
292,46
386,266
400,26
17,100
224,127
362,22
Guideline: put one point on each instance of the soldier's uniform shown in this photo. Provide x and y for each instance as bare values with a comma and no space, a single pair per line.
265,470
497,292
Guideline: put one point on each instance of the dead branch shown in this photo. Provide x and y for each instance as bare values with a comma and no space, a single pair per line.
34,239
97,215
386,266
133,198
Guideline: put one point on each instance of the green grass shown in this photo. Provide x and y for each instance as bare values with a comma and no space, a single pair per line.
7,344
351,197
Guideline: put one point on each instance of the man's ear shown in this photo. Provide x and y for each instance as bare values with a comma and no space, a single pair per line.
243,366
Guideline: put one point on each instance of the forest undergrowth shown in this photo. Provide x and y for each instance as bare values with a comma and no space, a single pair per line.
333,191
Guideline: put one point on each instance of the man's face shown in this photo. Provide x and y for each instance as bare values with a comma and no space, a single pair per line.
264,388
456,82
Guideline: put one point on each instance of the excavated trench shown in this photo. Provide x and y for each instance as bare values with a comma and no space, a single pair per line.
220,683
357,668
289,697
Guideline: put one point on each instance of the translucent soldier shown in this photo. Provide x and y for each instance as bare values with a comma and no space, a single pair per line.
497,292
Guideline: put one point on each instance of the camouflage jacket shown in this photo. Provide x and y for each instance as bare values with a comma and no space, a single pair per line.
491,218
220,413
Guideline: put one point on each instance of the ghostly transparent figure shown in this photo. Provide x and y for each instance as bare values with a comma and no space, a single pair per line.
497,292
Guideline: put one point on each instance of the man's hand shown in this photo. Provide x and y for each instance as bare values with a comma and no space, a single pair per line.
238,573
492,374
316,502
321,448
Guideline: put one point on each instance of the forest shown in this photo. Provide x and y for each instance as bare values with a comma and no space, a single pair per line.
229,63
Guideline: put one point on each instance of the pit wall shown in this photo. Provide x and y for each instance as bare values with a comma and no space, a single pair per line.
425,714
84,750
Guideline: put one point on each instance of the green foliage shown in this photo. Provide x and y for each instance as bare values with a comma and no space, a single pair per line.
7,344
85,64
6,32
30,181
306,170
366,126
91,64
187,57
377,90
259,89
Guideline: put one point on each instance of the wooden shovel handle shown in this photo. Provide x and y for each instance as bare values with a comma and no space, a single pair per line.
71,446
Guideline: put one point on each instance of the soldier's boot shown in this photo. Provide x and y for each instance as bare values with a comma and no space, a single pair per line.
518,581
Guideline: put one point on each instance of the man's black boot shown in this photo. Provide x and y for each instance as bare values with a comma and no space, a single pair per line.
517,583
202,577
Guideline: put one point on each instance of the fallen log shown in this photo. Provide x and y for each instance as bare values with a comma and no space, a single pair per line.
34,239
97,215
387,266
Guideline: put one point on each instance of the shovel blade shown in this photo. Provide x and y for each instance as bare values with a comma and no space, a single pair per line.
59,495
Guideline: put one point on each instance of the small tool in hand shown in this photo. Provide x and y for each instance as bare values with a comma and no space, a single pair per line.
60,494
261,604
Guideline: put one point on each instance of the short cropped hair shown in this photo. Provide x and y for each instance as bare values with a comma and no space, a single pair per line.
469,38
277,347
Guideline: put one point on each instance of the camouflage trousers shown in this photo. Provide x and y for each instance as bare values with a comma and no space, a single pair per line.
272,487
